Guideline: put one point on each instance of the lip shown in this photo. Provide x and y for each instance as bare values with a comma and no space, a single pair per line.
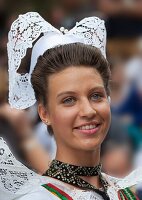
88,131
96,123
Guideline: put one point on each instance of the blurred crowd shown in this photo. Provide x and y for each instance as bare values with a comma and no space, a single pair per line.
23,130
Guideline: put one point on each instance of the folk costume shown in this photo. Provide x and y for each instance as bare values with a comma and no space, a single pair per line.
17,182
61,180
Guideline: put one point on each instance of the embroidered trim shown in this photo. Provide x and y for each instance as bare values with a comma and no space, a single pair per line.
56,191
127,194
71,174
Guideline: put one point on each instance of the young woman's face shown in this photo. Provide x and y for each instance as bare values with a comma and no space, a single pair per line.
78,108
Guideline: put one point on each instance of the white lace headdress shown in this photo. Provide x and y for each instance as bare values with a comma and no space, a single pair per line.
27,29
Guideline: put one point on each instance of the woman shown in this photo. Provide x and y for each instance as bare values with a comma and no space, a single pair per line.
70,79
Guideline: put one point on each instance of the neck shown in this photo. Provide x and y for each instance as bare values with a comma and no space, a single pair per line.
79,158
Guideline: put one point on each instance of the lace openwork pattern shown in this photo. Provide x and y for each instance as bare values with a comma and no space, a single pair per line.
13,174
24,31
93,31
85,195
76,194
16,179
28,28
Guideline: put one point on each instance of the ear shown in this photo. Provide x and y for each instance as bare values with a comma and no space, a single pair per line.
43,113
109,99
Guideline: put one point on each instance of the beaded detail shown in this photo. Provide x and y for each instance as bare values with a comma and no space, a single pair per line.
16,181
70,174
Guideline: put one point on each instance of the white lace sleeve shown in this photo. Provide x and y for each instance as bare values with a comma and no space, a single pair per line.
18,182
13,175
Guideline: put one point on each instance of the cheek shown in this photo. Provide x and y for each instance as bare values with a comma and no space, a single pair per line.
62,123
63,117
104,112
107,117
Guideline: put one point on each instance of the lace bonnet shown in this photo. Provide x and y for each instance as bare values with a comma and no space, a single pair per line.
27,29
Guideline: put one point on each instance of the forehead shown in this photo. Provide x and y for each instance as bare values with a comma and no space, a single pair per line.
75,78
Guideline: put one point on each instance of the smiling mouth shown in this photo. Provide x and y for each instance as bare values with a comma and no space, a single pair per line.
88,129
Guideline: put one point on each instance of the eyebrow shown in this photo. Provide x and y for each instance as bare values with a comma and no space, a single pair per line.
98,88
65,93
72,93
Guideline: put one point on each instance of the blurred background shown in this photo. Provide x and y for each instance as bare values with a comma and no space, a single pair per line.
122,150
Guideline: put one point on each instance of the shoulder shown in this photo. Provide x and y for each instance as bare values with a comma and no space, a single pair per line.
134,178
38,194
125,188
28,184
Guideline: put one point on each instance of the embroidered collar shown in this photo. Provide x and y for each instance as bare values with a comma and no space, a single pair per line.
71,174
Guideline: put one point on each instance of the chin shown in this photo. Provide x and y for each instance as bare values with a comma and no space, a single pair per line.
90,147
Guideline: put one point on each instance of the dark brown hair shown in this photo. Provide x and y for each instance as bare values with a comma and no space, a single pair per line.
57,59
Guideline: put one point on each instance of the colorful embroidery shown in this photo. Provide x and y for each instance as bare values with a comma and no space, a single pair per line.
56,191
127,194
72,174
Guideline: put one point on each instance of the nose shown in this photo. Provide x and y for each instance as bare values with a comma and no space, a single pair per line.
87,110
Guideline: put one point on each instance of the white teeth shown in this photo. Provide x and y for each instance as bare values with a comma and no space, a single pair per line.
87,127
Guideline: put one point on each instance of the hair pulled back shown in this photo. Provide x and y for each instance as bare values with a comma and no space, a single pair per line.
57,59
